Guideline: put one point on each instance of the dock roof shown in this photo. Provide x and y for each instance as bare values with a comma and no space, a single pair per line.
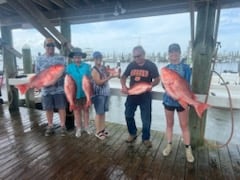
19,13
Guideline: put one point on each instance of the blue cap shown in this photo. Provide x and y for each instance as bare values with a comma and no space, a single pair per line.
97,55
174,48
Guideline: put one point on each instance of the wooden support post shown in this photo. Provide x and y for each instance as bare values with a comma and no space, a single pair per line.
10,69
27,68
203,47
65,29
66,32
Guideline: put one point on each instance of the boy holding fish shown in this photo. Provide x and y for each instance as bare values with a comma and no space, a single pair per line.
49,70
143,75
171,104
77,89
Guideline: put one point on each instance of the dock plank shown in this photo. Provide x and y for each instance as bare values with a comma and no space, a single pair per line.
235,159
225,162
25,153
214,163
169,161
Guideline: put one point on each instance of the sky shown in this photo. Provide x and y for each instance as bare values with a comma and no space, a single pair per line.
153,33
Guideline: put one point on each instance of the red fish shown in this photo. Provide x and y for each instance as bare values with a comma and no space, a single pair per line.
70,91
45,78
139,88
114,71
178,88
87,88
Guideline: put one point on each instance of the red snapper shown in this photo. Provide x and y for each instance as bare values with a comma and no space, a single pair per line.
44,78
178,88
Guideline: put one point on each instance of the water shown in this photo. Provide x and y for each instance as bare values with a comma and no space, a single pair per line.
226,67
219,67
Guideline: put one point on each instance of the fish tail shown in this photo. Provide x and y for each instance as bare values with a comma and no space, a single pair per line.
22,88
200,108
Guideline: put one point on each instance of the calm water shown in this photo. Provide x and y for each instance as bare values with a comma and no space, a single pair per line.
219,67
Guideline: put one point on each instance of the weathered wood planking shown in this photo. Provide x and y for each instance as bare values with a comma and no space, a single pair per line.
25,153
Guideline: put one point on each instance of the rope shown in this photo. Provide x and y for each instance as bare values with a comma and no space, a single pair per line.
229,98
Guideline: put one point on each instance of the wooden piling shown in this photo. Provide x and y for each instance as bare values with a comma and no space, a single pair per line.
27,68
66,32
10,68
203,47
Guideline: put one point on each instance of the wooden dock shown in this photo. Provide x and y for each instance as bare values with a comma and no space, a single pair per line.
25,153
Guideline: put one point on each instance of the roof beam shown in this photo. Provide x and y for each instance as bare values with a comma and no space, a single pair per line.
89,3
42,20
44,3
73,3
21,10
3,1
59,3
5,7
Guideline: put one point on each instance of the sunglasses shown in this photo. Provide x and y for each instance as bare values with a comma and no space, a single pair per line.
50,45
137,56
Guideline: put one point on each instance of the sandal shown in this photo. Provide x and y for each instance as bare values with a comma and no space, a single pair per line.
100,135
106,133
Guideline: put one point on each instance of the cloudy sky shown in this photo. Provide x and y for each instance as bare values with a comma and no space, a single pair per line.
153,33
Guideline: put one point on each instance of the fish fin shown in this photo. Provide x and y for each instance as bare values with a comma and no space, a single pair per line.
183,103
200,108
22,88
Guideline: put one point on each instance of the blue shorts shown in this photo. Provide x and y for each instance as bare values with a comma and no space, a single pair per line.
101,104
51,102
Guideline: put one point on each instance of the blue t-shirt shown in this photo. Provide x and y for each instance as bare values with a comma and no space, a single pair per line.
184,71
77,73
43,62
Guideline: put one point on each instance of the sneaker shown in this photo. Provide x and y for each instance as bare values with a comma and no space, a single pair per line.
131,138
49,131
147,143
189,154
100,135
88,130
63,131
78,132
167,150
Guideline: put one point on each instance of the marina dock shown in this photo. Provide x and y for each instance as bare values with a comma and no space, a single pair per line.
25,153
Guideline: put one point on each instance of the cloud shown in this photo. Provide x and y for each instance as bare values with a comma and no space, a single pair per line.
154,33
